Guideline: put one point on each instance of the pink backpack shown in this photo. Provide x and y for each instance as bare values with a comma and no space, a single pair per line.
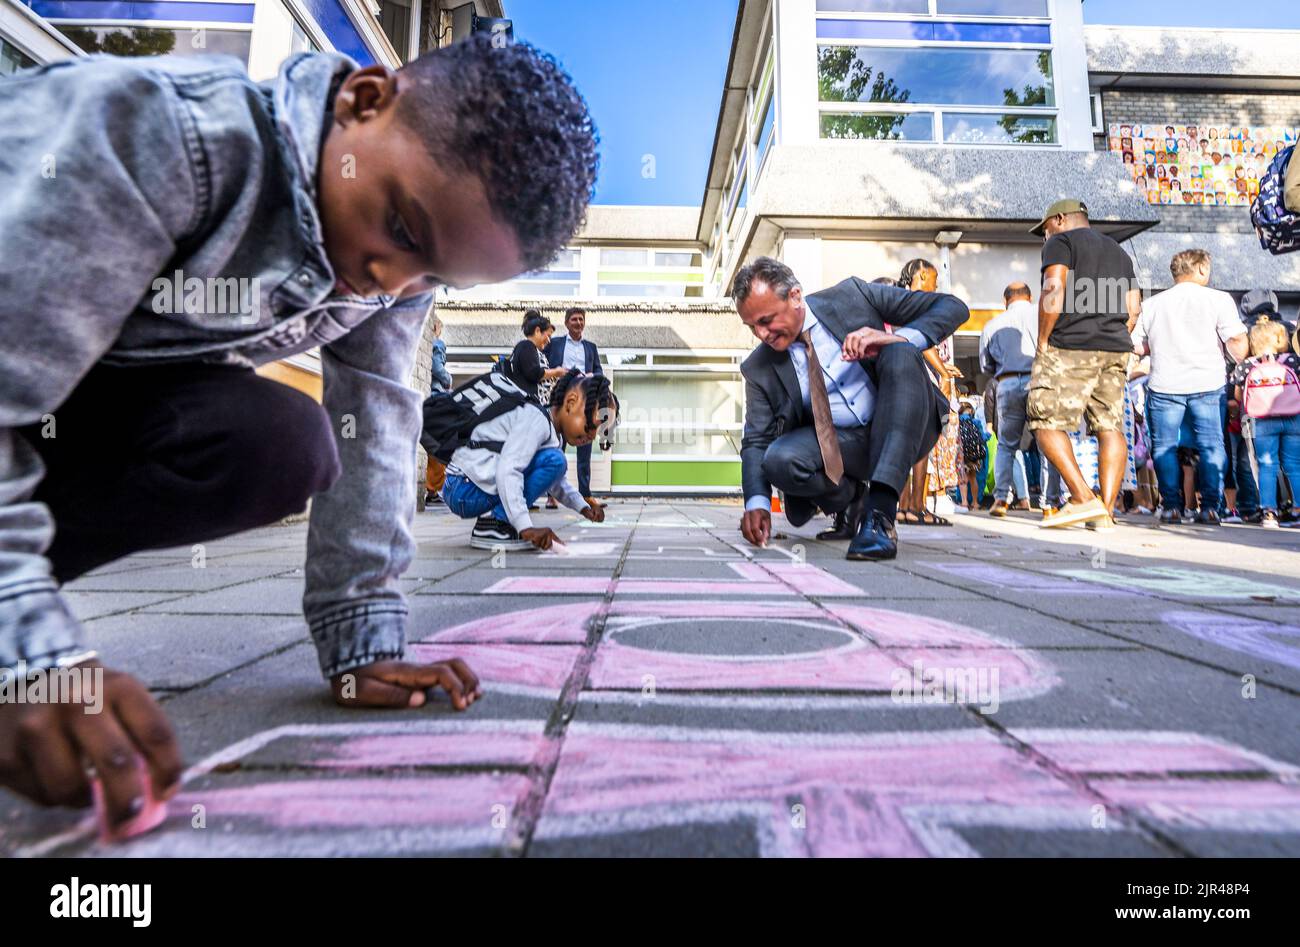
1271,390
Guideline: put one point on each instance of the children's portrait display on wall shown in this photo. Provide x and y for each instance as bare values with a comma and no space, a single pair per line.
1221,162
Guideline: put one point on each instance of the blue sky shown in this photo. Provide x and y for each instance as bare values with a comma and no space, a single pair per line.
652,72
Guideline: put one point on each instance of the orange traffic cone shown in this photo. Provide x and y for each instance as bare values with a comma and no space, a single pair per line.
776,505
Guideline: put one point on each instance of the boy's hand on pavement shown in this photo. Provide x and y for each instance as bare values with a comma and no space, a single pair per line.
594,513
403,684
46,748
541,538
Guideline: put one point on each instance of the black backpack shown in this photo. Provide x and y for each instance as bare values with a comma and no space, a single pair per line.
972,445
451,416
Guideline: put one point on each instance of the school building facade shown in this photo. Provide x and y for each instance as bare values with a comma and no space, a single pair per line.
260,33
854,135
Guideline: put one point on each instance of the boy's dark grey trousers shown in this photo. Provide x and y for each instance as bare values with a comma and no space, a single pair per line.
171,455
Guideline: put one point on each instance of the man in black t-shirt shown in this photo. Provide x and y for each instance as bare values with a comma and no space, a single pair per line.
1089,303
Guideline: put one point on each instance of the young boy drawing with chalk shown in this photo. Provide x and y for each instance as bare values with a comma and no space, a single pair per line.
510,460
165,226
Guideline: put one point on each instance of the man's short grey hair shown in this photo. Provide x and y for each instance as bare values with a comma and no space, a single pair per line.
1016,291
1185,261
766,270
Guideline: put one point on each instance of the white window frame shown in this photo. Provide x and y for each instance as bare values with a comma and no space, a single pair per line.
936,109
1096,114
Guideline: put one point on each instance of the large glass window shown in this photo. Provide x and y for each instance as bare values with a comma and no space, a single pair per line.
12,58
395,18
1037,8
898,126
1017,8
984,129
874,6
158,41
683,413
1006,77
623,257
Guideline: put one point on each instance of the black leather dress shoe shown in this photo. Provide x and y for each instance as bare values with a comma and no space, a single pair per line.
876,539
848,521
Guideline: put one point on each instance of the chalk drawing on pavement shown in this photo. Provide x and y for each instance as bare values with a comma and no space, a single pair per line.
816,656
881,794
774,578
1261,639
1187,583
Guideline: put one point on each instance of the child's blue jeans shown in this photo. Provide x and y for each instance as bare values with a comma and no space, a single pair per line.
470,502
1277,439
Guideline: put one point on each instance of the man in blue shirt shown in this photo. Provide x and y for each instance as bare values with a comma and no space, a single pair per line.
1007,347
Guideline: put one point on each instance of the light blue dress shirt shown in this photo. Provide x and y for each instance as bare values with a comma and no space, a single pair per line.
849,388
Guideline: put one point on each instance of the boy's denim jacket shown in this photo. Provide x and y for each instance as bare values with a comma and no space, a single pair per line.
117,172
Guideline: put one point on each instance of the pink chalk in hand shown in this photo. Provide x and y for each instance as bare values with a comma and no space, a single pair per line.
152,815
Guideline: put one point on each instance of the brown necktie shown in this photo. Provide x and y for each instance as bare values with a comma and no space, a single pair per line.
821,409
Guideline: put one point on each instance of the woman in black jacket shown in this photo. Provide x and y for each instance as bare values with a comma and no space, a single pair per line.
527,366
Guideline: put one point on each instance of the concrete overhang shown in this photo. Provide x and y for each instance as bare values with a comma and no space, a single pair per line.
1135,57
902,192
662,324
611,225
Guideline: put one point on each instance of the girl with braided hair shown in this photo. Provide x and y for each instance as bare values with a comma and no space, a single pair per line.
513,459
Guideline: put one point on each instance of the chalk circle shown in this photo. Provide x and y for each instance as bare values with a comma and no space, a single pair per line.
755,639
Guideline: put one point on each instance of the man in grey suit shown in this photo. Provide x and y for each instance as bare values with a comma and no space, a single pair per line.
573,351
838,407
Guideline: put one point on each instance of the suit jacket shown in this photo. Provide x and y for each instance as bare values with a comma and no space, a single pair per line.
773,401
555,354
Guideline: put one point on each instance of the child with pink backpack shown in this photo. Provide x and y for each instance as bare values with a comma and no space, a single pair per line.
1268,390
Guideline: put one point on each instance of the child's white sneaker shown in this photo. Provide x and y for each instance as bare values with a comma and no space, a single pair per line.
491,533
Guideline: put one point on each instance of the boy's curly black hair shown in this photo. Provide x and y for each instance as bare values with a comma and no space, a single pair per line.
511,115
599,396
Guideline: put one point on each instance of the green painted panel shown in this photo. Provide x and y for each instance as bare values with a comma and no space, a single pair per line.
628,473
675,473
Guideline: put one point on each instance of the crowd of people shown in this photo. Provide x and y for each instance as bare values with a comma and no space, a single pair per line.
1202,411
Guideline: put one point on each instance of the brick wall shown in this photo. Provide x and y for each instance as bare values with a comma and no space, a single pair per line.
1181,107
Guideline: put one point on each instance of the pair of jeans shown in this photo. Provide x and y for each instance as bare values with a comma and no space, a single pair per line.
1247,488
1013,398
1044,480
469,501
1167,415
1277,444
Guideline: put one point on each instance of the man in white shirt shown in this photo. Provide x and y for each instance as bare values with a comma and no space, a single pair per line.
1186,330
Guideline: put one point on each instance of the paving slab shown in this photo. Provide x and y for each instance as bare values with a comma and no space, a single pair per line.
664,689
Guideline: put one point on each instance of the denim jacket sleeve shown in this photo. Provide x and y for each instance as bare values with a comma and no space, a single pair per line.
359,541
98,187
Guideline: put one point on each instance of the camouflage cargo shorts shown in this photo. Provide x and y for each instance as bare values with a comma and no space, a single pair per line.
1067,385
